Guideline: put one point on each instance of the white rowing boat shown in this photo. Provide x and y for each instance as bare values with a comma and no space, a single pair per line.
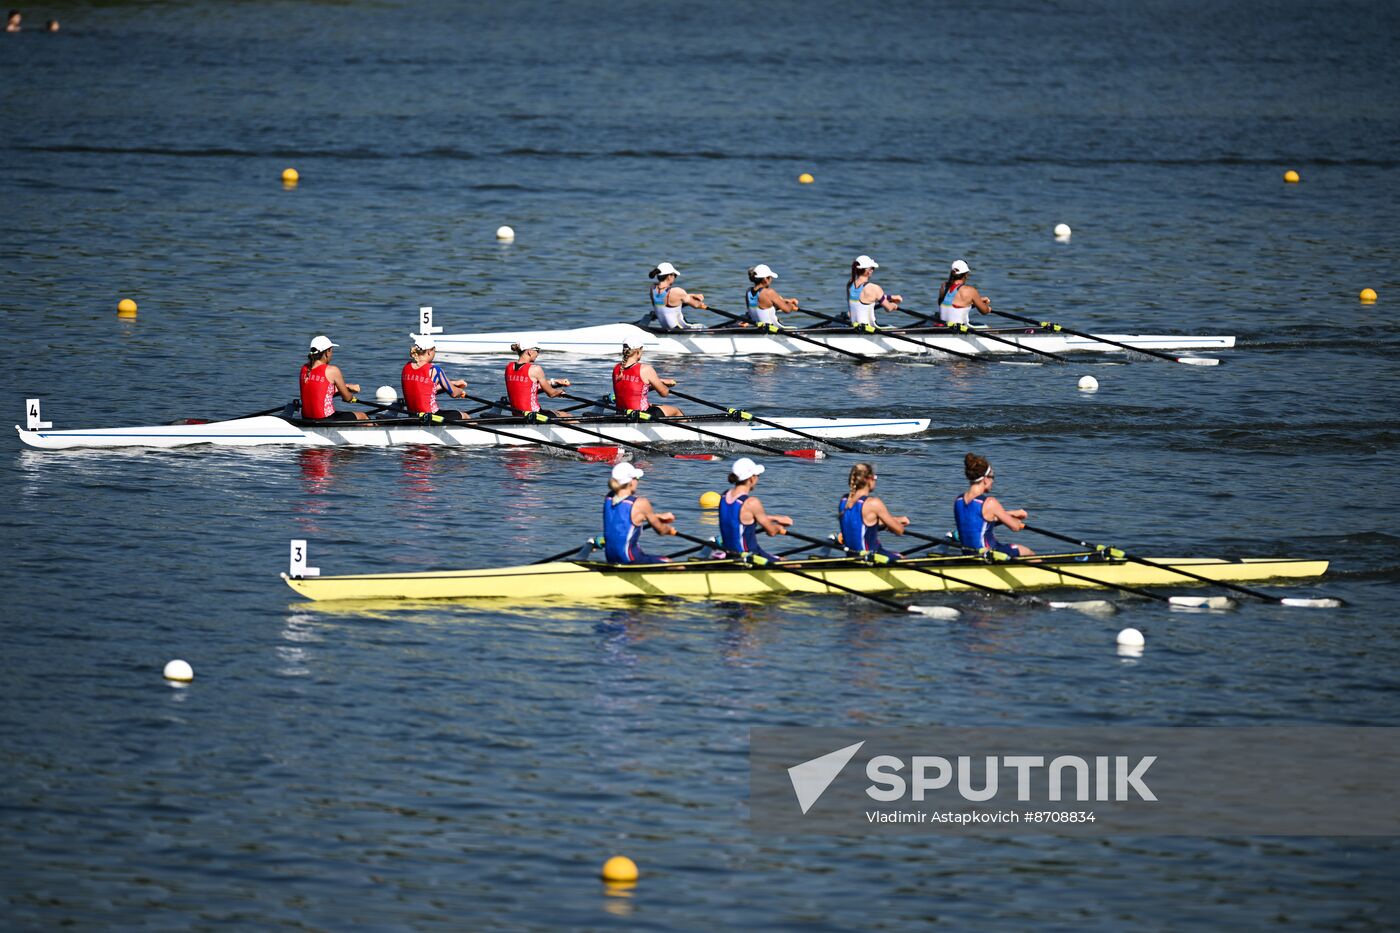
268,430
607,340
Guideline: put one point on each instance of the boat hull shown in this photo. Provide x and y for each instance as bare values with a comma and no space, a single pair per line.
712,579
271,431
607,340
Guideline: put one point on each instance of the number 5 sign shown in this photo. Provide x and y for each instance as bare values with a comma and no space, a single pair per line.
425,321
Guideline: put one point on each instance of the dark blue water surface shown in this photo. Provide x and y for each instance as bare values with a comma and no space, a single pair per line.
471,766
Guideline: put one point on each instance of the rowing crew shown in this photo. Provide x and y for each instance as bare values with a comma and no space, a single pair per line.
422,380
860,514
763,304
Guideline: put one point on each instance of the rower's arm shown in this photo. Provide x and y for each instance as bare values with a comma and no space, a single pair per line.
980,301
895,523
771,524
1012,518
662,386
337,379
781,303
551,387
660,522
691,299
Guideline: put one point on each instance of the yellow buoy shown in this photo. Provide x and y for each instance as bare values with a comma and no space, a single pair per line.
619,869
290,176
805,178
1368,295
1291,177
709,500
126,306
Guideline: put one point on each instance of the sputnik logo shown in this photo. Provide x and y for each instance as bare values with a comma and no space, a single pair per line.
811,778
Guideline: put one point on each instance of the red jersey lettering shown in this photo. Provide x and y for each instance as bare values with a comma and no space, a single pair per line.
316,393
630,389
419,389
521,388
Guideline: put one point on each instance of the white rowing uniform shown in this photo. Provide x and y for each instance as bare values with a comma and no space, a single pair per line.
949,314
669,318
756,314
860,311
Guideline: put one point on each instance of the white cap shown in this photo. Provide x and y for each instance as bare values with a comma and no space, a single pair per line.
761,271
865,262
635,343
960,268
745,468
322,343
625,472
424,341
664,269
526,343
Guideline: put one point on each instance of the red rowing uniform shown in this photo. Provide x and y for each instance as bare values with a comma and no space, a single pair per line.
419,389
629,387
316,392
521,387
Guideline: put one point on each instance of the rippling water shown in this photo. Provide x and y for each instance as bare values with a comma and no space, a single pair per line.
471,766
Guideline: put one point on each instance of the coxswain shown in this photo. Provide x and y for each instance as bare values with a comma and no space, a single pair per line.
632,379
321,382
862,514
668,300
863,296
525,380
956,298
761,300
741,514
624,514
423,381
975,512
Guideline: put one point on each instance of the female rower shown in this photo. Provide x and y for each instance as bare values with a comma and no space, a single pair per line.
976,512
956,298
762,301
423,380
864,296
741,514
624,514
668,298
631,381
525,380
320,382
863,514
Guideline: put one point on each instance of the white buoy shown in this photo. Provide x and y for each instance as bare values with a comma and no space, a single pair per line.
1131,638
386,395
179,670
504,233
1062,231
1088,384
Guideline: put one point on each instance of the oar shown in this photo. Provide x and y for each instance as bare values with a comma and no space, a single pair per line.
583,453
981,335
1309,603
1088,605
788,332
871,329
1192,602
938,612
802,452
648,448
1050,325
749,416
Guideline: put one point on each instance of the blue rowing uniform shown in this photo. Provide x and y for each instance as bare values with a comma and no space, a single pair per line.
974,531
735,535
857,535
620,535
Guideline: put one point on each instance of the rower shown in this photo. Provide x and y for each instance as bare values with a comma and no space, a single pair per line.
525,380
624,514
423,381
321,381
761,300
975,512
863,514
668,298
864,296
741,514
956,298
632,379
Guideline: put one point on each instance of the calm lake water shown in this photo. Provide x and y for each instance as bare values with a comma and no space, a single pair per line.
471,766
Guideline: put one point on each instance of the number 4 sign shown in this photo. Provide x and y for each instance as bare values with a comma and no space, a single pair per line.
31,412
299,568
425,321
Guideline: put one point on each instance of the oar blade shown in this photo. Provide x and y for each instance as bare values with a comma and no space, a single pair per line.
605,454
1305,603
806,453
695,456
1198,360
936,612
1202,602
1099,607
